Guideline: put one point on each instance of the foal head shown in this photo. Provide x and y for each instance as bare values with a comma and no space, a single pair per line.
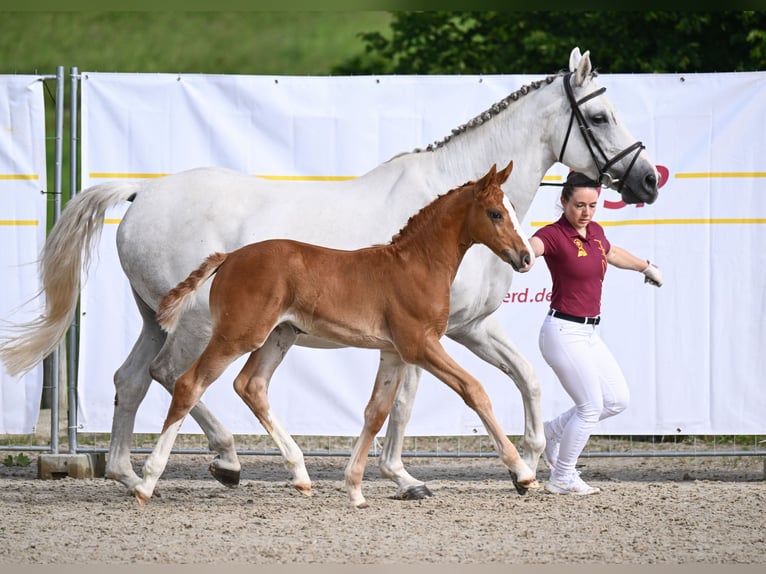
493,222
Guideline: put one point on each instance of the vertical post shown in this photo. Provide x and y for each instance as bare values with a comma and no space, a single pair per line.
72,339
57,172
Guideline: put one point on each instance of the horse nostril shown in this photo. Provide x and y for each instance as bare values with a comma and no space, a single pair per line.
651,181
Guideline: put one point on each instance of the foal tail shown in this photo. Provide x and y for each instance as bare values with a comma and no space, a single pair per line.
65,258
179,298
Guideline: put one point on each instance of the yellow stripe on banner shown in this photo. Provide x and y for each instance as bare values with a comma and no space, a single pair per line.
712,174
307,177
107,175
689,221
19,222
112,221
18,176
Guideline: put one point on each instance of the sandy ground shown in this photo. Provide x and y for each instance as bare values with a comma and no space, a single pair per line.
650,511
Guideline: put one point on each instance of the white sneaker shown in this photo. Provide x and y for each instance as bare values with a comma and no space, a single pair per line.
551,452
570,485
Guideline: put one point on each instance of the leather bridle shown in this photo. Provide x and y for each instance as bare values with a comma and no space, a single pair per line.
603,164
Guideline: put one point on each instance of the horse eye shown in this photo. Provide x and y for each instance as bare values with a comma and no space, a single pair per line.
599,119
494,214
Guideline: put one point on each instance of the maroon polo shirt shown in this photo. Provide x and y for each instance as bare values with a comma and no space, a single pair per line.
577,266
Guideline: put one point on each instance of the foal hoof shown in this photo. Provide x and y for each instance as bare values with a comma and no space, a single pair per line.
225,476
522,486
415,493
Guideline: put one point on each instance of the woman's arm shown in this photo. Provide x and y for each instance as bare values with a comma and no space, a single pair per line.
537,246
623,259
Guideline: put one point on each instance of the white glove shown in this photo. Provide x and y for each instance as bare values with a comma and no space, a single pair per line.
652,275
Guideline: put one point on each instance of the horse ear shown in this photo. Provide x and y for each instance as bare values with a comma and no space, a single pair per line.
574,58
584,69
502,176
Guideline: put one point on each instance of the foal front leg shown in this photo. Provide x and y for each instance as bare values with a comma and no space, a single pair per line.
487,340
437,362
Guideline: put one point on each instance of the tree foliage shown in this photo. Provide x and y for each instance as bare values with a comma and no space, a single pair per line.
540,42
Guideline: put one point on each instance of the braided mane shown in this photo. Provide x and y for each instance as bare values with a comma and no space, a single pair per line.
491,112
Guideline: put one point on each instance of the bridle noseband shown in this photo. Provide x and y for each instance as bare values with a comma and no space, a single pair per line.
604,178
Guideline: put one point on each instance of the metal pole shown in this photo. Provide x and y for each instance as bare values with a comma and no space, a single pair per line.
57,172
72,340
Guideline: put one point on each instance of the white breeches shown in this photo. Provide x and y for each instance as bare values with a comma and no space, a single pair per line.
591,377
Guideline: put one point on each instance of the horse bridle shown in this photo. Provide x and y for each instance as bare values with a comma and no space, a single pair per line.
604,178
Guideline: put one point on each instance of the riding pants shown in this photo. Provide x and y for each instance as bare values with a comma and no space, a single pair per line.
590,375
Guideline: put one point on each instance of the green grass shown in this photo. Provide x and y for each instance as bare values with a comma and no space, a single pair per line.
285,43
251,43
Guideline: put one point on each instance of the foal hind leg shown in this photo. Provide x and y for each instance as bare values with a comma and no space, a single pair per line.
252,385
379,406
180,349
186,394
391,465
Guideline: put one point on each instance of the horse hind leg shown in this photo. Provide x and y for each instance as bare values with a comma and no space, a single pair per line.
391,465
252,384
131,382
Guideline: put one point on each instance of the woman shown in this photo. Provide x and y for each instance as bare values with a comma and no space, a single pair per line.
577,252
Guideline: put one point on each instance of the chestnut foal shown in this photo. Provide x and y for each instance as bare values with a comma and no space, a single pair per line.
393,297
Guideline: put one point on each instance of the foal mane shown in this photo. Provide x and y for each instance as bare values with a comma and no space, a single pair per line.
424,217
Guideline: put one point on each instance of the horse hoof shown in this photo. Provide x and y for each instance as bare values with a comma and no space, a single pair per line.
225,476
141,497
303,489
415,493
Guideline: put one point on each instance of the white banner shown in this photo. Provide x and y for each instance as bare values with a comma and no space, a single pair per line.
692,351
22,233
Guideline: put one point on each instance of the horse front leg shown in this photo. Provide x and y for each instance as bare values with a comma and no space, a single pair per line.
438,362
252,385
387,382
391,465
487,340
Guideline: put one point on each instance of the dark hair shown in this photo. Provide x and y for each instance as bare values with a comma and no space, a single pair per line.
577,179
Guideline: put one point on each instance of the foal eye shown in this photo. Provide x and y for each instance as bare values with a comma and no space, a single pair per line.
494,214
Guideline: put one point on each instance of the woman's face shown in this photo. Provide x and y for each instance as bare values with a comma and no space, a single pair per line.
581,206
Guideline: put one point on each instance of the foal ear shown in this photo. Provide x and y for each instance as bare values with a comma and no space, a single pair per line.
502,176
487,179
